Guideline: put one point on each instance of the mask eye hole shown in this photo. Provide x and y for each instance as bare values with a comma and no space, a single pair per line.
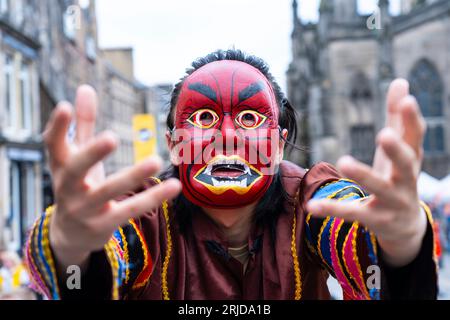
203,118
250,119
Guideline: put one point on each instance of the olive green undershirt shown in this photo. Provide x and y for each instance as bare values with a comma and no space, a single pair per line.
241,254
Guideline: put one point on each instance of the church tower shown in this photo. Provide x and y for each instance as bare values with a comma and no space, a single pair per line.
298,76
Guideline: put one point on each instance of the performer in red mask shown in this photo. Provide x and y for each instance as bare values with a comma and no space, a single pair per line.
230,109
243,223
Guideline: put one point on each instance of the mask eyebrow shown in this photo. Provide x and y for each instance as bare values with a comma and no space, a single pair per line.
203,89
250,91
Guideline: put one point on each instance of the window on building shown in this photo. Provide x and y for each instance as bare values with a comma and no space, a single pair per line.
363,142
418,3
84,4
23,208
71,21
26,94
360,87
426,86
91,48
434,138
19,95
19,12
10,91
15,204
4,6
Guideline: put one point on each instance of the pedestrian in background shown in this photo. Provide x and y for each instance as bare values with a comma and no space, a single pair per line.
14,279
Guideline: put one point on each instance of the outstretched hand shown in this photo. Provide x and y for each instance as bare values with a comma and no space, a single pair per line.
392,211
86,214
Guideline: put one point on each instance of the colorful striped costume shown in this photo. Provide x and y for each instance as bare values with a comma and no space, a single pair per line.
150,258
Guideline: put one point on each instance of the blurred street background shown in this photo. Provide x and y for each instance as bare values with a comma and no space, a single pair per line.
334,59
444,278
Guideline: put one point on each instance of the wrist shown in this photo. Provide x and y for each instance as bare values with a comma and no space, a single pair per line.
400,252
65,251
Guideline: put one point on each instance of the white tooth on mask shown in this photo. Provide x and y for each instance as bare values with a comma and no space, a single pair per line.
229,183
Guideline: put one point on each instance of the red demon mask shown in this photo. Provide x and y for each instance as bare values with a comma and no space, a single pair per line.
226,133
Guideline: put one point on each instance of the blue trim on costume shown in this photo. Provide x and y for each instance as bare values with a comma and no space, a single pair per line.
44,260
118,237
373,257
374,294
323,193
122,263
121,269
122,266
325,247
331,188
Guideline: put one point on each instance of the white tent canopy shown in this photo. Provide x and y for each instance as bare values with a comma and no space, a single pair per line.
428,187
443,194
432,190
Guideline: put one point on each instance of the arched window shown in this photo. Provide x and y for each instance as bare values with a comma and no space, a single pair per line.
426,86
362,135
360,87
362,142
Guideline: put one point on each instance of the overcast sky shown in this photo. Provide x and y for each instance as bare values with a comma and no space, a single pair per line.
167,35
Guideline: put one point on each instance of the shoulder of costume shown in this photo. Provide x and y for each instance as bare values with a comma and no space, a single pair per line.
291,176
308,181
291,170
322,180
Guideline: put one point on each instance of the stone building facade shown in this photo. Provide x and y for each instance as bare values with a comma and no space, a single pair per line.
158,104
343,64
21,156
47,49
121,98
